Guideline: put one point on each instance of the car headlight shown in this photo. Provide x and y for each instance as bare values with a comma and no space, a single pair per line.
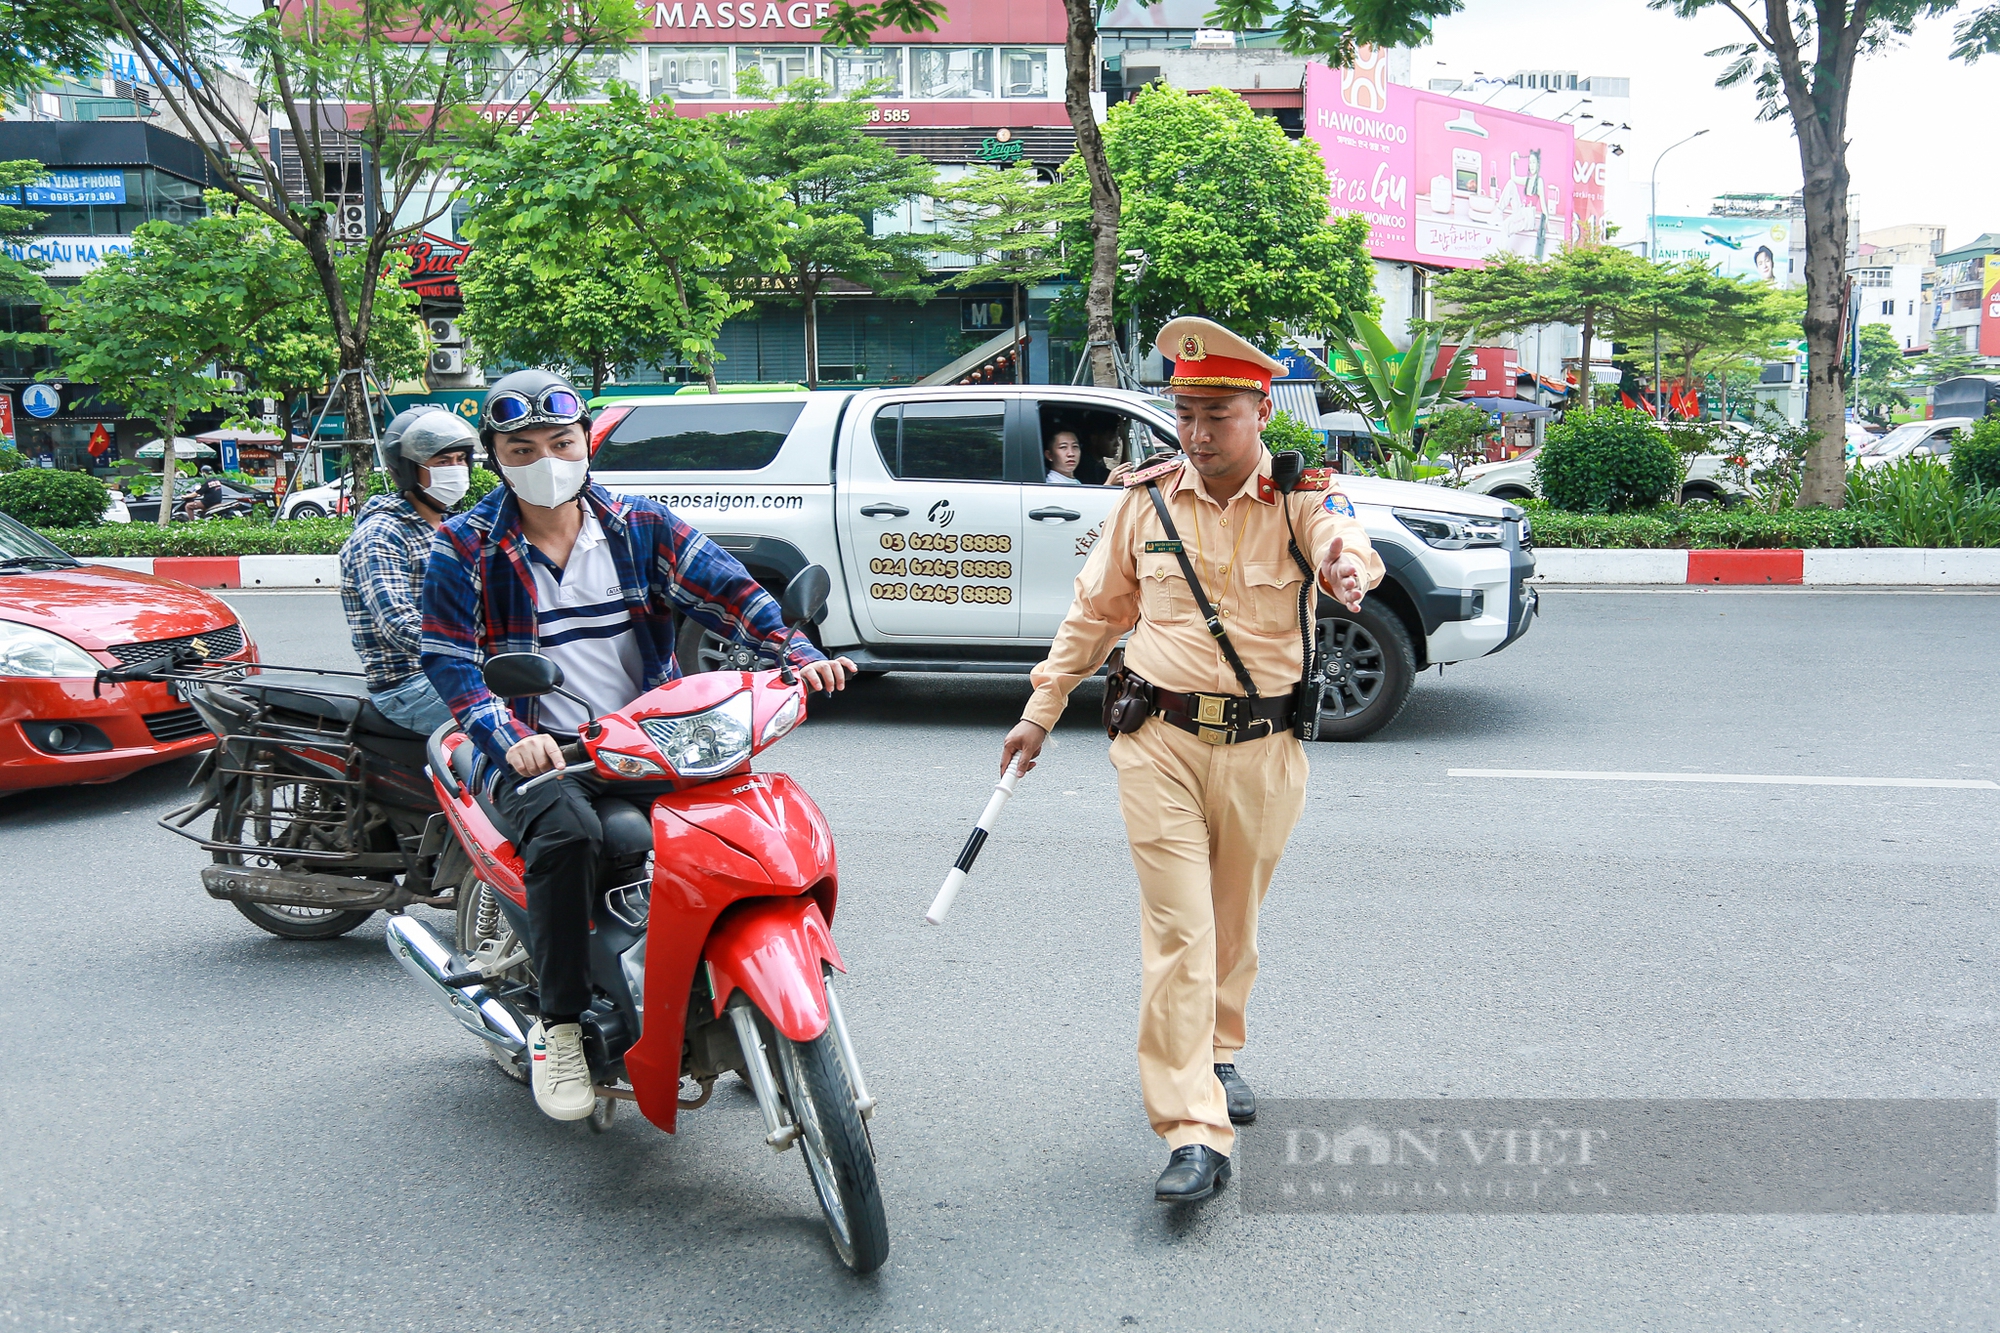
704,744
782,721
27,651
1451,532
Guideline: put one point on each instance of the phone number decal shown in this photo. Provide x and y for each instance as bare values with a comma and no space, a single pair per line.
947,593
949,543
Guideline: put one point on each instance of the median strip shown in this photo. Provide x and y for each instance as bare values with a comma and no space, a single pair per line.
1766,779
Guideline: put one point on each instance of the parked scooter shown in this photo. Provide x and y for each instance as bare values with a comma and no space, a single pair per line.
709,948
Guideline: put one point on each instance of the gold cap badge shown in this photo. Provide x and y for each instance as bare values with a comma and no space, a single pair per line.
1192,348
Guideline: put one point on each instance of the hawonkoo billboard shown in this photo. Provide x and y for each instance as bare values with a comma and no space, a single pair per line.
1441,181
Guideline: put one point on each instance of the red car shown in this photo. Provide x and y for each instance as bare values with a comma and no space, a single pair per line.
59,622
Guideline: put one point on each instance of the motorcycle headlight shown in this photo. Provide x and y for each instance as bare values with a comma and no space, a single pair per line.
1451,532
702,745
629,765
781,722
27,651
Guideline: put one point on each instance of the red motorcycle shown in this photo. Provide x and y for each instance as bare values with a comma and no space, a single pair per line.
709,950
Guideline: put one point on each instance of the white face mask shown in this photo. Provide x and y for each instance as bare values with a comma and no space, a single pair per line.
548,482
449,485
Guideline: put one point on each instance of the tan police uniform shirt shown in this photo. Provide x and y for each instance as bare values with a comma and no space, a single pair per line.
1239,552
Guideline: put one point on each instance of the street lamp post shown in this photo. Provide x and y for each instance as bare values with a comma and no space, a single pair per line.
1653,254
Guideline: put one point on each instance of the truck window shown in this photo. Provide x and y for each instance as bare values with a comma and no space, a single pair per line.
698,437
946,441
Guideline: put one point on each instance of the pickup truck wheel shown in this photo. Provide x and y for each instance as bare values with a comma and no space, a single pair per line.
700,649
1370,666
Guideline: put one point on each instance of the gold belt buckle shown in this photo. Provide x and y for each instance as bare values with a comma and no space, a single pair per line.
1211,708
1213,736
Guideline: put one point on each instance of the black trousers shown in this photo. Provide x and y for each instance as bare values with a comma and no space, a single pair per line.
556,830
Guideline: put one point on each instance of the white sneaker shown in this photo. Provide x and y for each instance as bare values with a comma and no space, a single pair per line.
561,1071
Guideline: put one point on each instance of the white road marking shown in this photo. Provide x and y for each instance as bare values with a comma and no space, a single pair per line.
1772,779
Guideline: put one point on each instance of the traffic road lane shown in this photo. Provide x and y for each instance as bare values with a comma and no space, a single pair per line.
207,1127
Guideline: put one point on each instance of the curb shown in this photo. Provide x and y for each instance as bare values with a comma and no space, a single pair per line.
231,571
1873,567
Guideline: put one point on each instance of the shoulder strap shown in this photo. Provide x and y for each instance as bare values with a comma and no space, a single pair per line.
1213,621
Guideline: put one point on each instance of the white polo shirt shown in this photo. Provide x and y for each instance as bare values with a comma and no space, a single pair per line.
586,628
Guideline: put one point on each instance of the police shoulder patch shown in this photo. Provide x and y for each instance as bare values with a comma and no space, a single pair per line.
1315,479
1336,503
1155,471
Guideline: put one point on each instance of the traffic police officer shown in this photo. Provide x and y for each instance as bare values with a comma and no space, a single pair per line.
1209,788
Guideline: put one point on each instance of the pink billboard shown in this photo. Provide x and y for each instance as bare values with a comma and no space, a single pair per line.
1441,181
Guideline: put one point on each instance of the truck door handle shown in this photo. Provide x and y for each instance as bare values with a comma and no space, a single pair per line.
1066,515
885,511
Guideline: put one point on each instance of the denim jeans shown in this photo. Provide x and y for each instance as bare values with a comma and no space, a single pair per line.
413,704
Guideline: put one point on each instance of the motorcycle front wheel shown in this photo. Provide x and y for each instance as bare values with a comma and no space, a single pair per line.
835,1145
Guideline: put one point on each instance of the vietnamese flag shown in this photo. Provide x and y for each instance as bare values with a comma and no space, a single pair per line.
100,441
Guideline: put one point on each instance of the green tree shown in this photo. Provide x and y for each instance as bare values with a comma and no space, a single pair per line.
588,319
1009,221
1594,286
1947,363
411,83
1460,433
150,327
1232,217
20,280
44,36
1702,320
1883,373
837,179
1329,29
1800,60
1395,391
1605,461
659,189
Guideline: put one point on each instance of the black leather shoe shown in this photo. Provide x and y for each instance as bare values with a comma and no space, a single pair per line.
1242,1101
1193,1173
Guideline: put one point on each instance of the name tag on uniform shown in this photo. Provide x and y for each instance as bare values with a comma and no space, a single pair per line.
1163,548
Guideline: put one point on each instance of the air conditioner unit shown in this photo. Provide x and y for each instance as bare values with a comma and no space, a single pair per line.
448,361
238,382
351,222
445,332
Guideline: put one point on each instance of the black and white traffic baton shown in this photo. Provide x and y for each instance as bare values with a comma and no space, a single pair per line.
953,882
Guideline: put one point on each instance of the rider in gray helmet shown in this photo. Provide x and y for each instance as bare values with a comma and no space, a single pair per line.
427,452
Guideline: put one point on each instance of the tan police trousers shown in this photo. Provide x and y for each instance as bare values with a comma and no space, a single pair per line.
1207,824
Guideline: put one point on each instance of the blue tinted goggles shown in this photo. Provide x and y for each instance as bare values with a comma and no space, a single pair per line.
554,406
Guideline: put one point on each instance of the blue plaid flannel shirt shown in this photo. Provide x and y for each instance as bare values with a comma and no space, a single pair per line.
382,588
479,599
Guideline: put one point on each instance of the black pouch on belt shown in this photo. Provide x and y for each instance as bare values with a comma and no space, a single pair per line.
1128,697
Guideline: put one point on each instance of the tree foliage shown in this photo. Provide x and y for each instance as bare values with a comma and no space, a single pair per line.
50,498
586,319
380,94
43,37
1595,286
1883,373
1799,61
1232,217
809,145
659,190
148,328
20,280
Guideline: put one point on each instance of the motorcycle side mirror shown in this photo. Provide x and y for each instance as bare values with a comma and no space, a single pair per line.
521,675
805,596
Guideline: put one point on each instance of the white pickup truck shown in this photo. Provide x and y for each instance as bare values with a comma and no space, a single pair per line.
951,552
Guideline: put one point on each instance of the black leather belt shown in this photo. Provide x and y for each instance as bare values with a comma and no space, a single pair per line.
1225,719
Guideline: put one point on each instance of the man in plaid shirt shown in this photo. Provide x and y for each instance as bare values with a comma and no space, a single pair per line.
554,564
427,451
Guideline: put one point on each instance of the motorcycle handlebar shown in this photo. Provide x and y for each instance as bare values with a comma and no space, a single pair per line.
585,767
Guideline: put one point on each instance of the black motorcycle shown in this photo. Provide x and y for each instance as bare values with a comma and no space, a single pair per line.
323,813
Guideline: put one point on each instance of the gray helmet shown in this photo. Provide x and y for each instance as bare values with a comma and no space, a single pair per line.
522,400
419,435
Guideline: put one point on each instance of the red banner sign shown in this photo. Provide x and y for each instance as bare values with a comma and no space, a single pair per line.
100,441
434,265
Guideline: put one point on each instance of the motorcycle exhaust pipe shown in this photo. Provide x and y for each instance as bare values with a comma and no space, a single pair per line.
429,959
